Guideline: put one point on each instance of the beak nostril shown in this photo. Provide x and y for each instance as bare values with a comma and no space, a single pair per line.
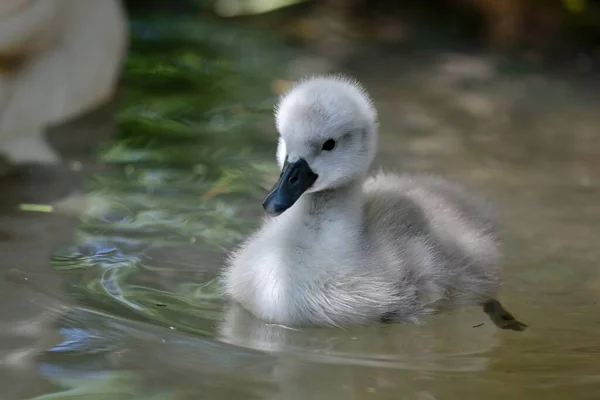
293,179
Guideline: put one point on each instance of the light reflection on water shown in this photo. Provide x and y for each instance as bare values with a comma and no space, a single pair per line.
148,317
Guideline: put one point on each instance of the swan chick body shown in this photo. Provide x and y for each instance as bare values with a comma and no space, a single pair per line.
340,248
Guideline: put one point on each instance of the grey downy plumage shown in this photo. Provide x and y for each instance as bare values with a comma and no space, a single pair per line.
340,248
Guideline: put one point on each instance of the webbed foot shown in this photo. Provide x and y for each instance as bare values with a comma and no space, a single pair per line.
501,317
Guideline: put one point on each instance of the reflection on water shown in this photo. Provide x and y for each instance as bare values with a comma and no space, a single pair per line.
184,185
174,199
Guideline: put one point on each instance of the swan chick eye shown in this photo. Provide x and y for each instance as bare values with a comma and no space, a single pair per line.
328,145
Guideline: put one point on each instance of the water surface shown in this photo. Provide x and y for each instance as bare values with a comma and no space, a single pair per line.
140,315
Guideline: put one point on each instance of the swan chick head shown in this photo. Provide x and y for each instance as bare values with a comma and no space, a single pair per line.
328,137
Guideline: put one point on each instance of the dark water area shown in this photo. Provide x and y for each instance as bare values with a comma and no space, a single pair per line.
114,296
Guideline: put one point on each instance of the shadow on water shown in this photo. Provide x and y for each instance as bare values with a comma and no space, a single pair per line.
184,183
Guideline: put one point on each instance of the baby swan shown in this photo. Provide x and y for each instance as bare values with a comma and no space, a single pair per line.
341,249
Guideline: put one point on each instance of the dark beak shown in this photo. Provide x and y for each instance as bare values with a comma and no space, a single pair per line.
294,180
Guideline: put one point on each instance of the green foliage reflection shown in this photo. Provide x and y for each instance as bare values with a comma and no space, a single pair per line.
187,168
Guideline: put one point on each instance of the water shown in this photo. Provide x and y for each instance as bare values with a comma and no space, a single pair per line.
138,315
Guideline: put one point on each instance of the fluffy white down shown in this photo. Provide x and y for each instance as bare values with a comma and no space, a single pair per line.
352,249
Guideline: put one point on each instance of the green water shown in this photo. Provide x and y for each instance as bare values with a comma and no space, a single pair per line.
184,182
176,190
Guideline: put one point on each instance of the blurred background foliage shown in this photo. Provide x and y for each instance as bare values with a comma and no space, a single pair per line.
507,25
